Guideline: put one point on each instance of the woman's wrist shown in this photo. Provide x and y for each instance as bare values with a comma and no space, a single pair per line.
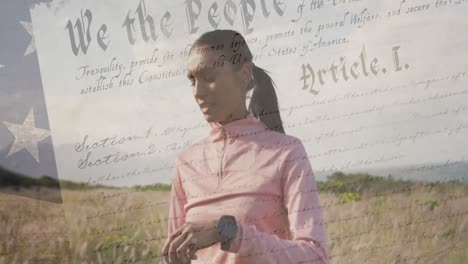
216,236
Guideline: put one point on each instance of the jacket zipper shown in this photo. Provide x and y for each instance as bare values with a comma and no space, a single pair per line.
220,173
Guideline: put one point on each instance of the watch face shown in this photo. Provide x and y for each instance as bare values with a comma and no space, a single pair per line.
227,227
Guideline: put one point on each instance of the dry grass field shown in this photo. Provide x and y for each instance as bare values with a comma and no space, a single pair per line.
422,225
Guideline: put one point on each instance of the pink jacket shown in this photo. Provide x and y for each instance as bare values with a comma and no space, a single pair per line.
263,178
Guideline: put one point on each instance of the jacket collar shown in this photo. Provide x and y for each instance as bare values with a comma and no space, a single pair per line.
236,128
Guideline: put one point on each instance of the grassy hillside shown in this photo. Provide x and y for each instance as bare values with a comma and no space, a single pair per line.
369,219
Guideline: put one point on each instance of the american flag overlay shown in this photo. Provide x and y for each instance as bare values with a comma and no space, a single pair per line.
25,142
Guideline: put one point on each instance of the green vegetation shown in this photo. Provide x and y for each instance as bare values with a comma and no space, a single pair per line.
340,182
348,197
8,178
352,187
347,187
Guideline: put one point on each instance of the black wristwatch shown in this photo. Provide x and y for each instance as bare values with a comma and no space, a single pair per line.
227,230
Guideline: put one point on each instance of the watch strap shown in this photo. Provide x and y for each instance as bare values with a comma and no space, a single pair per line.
225,245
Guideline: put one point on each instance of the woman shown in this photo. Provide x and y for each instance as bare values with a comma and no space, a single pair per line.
246,193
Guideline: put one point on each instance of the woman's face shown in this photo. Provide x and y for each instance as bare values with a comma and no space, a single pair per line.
218,90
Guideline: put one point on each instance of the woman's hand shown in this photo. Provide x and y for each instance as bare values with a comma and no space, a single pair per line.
190,237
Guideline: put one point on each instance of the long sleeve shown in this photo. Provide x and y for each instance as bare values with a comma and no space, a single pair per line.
309,241
176,203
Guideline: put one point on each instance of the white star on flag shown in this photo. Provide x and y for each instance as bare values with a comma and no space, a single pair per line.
27,135
32,46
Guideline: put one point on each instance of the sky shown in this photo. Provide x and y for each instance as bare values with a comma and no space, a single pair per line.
431,42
